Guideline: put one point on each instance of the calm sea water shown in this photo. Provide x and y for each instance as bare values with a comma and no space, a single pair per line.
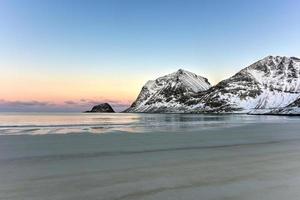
68,156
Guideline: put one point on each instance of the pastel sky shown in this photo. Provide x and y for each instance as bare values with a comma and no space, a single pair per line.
59,55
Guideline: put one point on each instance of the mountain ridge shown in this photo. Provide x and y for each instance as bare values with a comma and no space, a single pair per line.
268,84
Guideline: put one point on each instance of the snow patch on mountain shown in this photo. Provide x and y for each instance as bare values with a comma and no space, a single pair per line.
291,109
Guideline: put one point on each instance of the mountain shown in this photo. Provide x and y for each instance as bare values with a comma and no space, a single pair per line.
268,84
104,107
168,93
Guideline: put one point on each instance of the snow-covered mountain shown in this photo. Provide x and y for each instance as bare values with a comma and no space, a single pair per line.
270,83
168,93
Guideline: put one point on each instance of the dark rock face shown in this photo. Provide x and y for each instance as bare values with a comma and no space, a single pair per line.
295,103
102,108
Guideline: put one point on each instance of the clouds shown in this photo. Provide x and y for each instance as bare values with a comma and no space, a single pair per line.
28,105
70,102
104,100
24,103
65,106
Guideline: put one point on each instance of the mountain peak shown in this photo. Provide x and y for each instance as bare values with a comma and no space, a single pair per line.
180,71
169,91
276,65
279,58
295,58
184,74
270,82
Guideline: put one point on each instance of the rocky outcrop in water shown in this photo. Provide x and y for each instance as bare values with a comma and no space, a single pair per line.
101,108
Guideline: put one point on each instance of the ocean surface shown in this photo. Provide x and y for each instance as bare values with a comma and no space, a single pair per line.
78,156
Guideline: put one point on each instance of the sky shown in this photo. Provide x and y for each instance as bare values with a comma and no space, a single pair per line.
67,55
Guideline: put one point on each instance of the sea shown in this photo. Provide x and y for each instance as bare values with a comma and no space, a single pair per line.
120,156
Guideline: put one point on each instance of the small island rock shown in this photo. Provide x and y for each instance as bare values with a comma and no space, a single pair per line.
104,108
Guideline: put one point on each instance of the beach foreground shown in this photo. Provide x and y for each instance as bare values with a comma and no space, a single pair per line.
139,156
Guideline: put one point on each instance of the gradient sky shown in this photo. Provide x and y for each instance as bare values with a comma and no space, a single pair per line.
61,55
